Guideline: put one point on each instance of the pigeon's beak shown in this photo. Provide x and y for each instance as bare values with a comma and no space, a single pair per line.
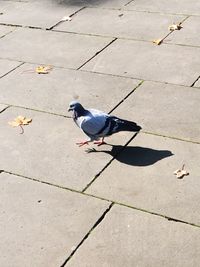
69,109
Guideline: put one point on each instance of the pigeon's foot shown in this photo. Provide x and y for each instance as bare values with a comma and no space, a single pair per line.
100,143
82,143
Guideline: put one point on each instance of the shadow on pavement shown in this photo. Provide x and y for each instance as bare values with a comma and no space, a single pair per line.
78,2
135,155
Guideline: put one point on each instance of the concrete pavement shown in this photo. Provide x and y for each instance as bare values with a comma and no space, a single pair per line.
118,204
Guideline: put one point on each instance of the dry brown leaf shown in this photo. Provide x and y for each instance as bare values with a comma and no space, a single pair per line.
158,41
174,27
20,120
180,173
43,69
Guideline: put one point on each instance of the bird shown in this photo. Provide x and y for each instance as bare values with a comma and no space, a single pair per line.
97,124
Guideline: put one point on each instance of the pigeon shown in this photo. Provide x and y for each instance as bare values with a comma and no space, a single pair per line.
97,124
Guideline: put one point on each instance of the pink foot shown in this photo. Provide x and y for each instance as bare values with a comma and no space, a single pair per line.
99,143
82,143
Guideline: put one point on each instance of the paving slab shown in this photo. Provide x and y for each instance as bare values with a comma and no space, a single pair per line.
197,84
5,30
2,107
117,23
165,109
44,14
46,47
108,4
7,65
47,150
142,177
99,3
144,60
41,220
131,238
189,7
54,91
117,4
188,34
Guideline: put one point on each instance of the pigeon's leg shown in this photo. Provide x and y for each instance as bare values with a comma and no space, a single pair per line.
101,142
85,142
82,143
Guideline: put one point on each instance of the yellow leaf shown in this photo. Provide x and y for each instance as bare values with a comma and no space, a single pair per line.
157,41
26,121
180,173
43,69
13,123
174,27
20,120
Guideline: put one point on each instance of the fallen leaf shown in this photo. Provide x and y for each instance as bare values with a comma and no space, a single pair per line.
66,18
174,27
43,69
158,41
180,173
19,121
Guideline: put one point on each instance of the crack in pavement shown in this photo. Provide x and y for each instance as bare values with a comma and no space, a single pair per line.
12,69
97,53
102,198
88,233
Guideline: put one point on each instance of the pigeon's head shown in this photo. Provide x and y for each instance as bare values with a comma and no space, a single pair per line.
76,107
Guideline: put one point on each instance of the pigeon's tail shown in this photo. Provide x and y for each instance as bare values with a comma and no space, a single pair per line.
118,125
130,126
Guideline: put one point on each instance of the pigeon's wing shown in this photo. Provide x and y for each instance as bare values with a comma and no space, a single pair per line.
116,125
94,122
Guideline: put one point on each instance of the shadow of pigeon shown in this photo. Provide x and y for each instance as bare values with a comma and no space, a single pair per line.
134,155
80,3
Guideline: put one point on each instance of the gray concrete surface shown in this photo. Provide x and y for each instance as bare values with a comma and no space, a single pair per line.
41,224
133,238
114,4
188,35
168,110
47,150
6,66
89,88
18,13
2,107
188,7
142,176
118,204
143,60
118,23
47,47
5,30
197,84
